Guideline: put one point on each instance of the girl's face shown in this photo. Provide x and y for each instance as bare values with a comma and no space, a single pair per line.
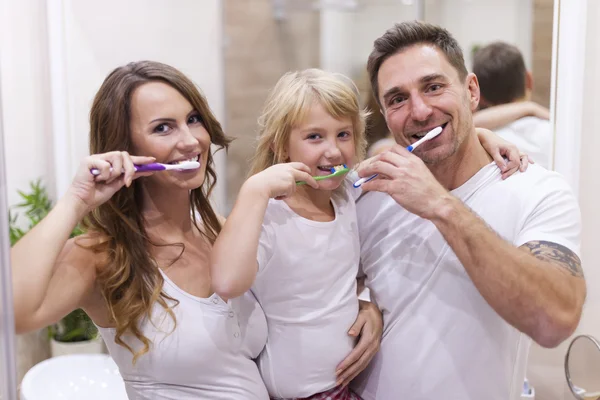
321,142
166,126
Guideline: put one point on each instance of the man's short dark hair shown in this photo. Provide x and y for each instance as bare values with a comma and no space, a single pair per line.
501,72
406,34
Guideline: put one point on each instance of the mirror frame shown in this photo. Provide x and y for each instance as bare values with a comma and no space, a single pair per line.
567,87
567,371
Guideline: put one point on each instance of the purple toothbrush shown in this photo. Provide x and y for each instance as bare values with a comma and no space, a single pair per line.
159,167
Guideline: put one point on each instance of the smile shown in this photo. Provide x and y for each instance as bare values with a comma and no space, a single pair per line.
195,158
419,135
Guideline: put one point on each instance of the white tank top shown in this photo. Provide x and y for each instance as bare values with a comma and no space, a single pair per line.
208,356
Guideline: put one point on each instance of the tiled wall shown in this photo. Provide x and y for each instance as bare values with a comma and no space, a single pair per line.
259,48
543,11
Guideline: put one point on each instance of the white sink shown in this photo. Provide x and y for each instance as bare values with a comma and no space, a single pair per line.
75,376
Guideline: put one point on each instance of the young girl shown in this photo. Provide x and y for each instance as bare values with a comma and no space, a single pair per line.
297,246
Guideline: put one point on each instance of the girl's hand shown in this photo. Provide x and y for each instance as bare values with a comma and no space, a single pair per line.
279,180
499,149
116,169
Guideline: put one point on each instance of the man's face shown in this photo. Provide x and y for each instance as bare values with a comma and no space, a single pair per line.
420,90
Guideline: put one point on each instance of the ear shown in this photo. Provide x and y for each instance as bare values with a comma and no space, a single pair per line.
528,81
473,90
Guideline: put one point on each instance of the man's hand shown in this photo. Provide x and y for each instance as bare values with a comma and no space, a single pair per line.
407,179
368,327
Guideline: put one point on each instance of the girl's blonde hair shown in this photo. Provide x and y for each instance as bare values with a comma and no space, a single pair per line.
289,102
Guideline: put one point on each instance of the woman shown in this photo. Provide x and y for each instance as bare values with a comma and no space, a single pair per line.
141,271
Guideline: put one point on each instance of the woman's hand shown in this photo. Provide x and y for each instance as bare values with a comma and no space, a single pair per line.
499,149
116,169
368,327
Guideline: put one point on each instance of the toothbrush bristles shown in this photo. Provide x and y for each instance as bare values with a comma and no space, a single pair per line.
337,168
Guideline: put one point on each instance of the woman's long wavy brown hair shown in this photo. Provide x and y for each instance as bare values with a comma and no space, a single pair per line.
130,281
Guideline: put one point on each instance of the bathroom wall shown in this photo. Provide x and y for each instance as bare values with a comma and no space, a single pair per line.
259,49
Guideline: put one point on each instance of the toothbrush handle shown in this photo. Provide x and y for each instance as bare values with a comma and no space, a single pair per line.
150,167
138,168
361,181
365,180
316,178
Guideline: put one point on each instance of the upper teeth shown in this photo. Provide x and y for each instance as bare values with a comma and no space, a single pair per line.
190,160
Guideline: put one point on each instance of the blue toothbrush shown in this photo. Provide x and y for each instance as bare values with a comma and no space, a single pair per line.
430,135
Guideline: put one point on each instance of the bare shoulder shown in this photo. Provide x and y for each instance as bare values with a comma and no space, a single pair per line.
557,255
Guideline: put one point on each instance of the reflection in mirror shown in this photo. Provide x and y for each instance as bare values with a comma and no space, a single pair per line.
508,45
338,35
582,368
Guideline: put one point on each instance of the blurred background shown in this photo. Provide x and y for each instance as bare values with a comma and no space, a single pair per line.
54,54
265,39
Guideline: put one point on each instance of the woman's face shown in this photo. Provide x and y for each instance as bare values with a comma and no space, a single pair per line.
164,125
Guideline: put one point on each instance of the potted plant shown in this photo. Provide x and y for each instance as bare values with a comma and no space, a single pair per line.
75,333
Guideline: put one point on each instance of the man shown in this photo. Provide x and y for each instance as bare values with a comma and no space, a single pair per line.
503,79
465,266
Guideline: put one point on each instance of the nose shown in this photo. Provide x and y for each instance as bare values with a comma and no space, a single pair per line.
187,141
419,109
333,151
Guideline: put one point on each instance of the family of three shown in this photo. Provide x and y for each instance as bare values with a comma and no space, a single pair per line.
466,256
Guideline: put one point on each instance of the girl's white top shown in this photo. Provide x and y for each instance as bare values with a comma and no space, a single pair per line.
306,285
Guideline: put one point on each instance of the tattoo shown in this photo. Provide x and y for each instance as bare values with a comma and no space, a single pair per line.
556,254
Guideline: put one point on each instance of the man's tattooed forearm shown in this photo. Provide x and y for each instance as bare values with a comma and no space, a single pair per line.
556,254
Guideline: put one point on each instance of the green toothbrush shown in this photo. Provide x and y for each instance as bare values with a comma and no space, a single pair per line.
338,170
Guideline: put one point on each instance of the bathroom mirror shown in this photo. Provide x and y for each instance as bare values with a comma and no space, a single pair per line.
582,367
338,35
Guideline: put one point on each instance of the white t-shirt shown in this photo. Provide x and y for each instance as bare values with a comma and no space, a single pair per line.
531,135
441,339
306,284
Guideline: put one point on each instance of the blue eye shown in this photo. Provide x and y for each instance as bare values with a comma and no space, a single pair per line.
313,136
344,134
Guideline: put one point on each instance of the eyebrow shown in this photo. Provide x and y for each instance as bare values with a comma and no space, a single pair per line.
425,79
193,110
432,77
320,129
162,120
